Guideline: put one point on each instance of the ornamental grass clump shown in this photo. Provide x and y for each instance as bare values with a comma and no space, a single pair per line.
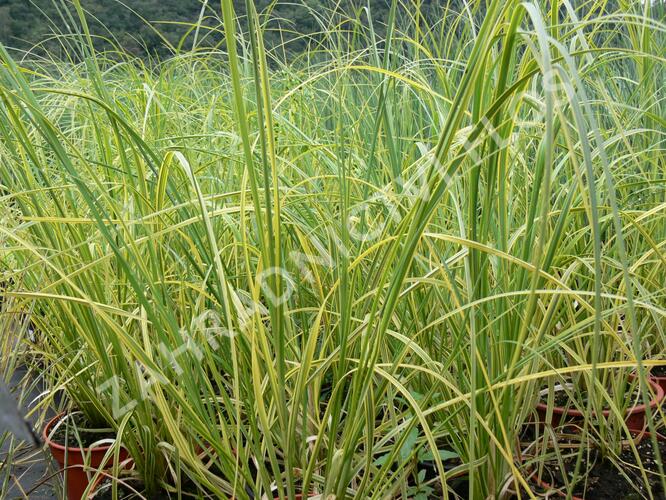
275,278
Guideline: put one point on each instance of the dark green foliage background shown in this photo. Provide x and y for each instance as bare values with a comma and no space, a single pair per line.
161,27
25,23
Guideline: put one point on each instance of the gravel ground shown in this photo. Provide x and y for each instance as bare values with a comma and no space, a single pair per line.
30,469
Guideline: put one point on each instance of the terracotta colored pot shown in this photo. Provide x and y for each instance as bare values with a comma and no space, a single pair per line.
661,381
73,461
634,417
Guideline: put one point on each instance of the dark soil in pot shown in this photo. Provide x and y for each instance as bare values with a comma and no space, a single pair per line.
78,432
560,398
604,480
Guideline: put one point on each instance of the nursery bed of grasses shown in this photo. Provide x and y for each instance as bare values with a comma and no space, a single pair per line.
312,274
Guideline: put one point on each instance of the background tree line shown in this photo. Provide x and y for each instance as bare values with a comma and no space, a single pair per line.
160,27
156,27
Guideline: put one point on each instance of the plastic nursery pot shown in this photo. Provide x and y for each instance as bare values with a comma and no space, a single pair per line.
561,494
634,417
659,379
72,460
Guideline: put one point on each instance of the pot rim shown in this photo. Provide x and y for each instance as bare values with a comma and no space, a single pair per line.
52,444
572,412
